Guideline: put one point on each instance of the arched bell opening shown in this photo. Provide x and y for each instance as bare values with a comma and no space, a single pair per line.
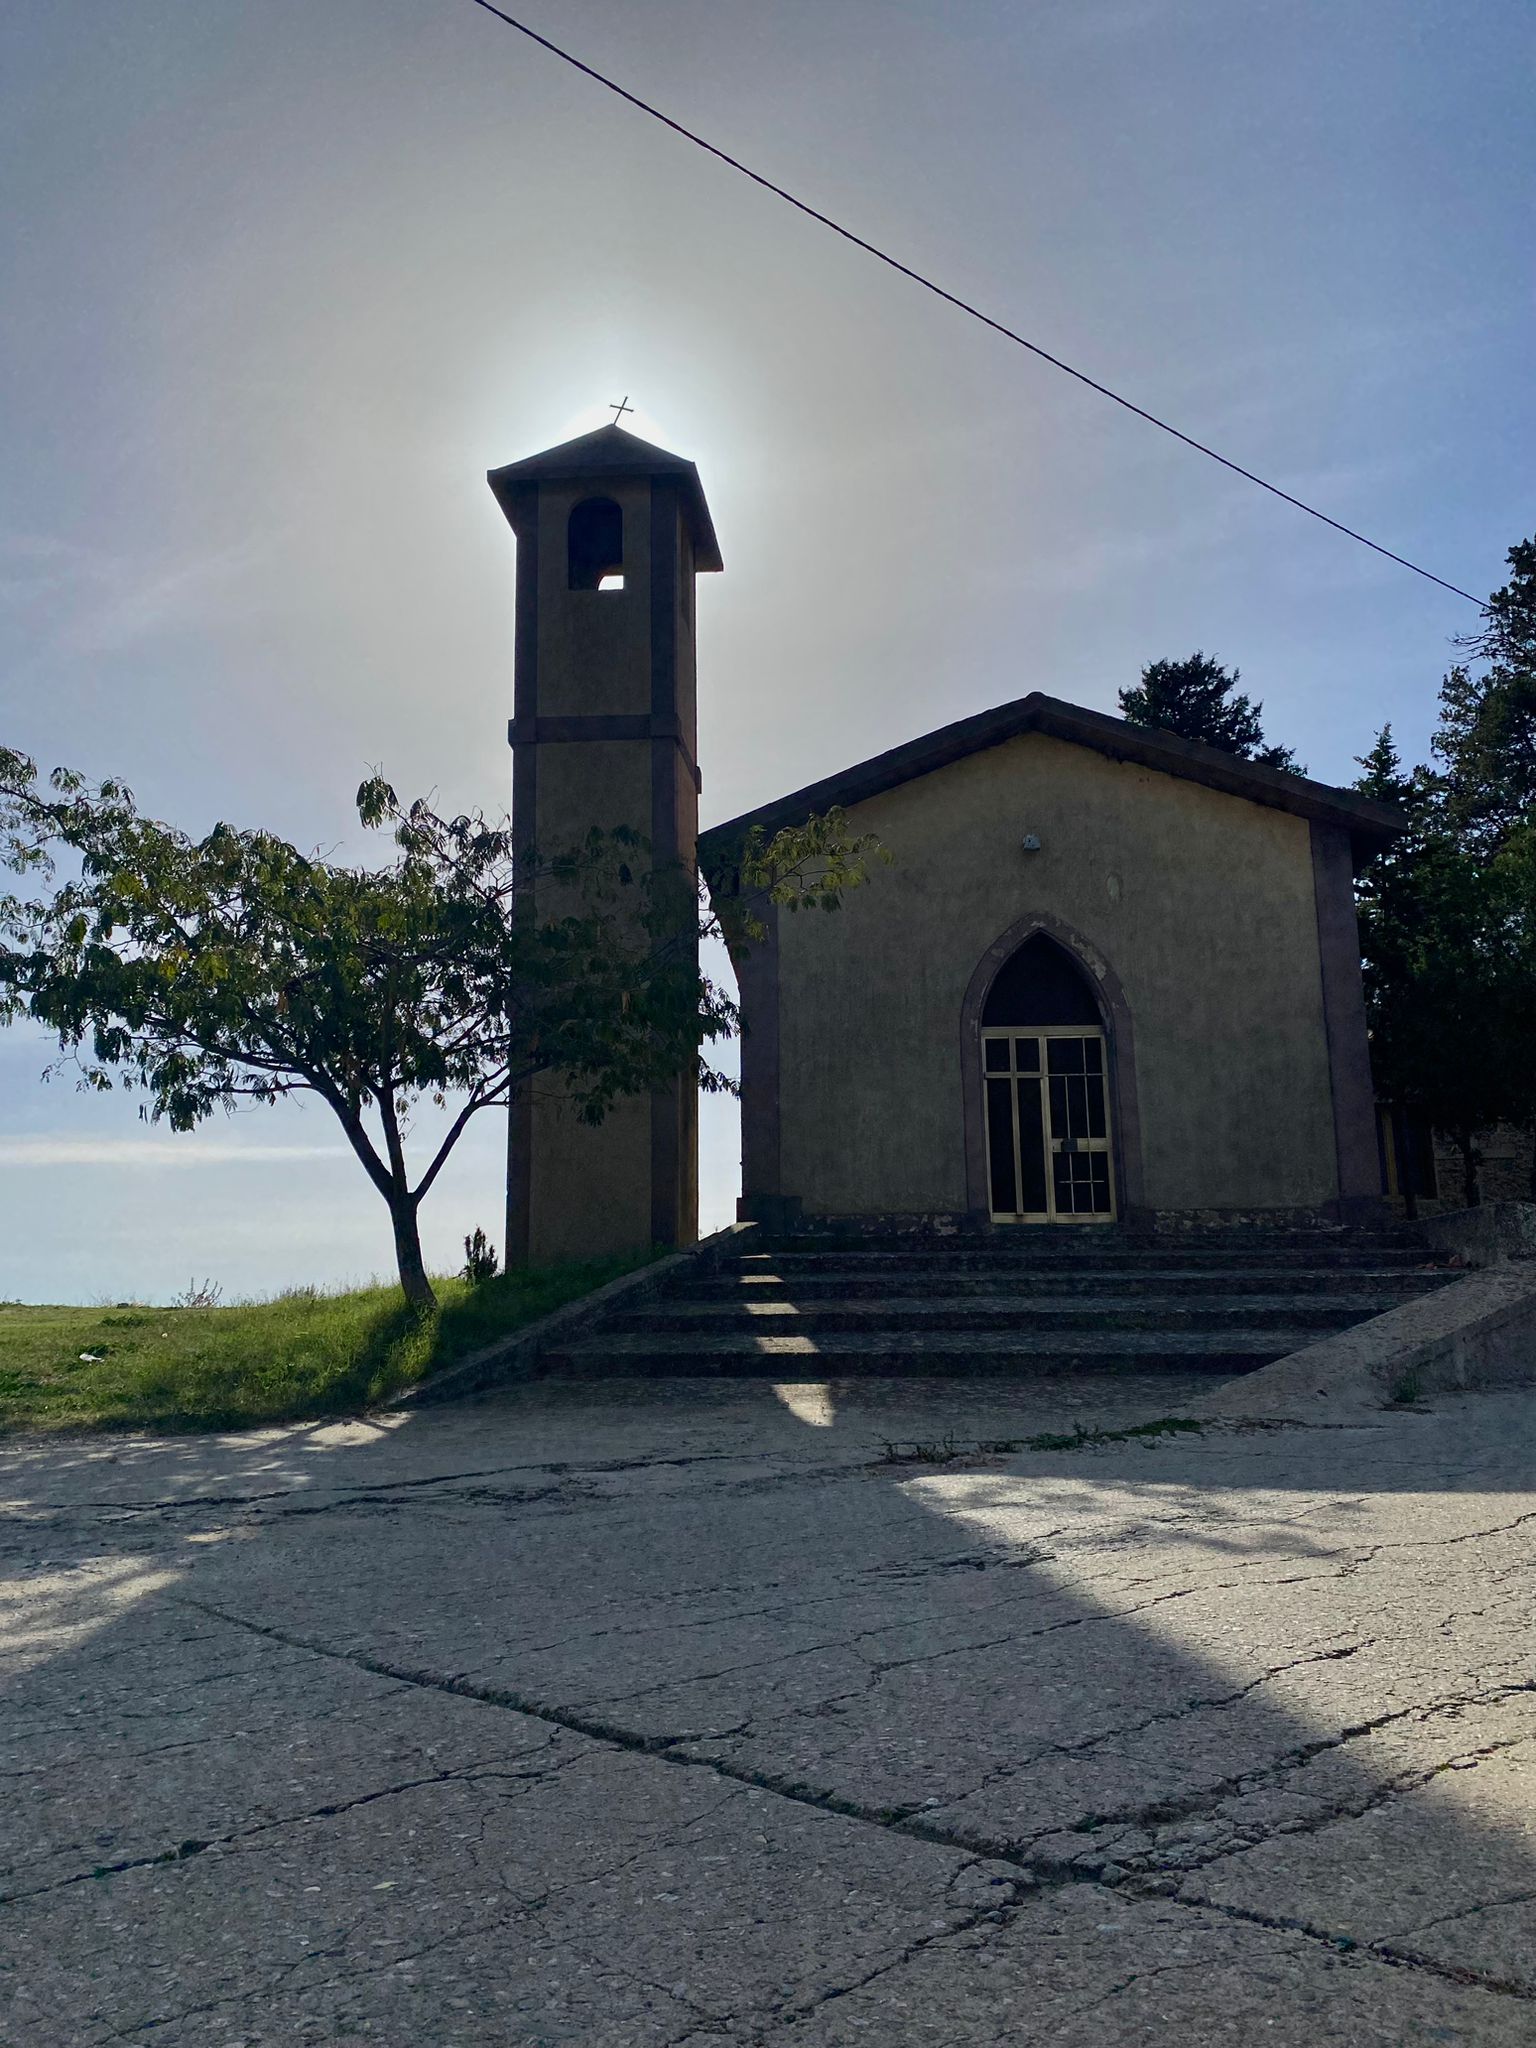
595,545
1049,1089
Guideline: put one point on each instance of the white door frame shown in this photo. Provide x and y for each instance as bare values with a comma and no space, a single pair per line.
1055,1143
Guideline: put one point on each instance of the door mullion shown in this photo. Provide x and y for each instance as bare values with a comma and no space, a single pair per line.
1018,1148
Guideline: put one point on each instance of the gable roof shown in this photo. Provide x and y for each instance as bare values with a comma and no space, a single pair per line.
609,451
1370,825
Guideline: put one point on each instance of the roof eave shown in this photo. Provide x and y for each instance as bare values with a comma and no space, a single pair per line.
609,454
1371,825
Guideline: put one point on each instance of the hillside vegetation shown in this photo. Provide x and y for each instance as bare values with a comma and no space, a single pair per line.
300,1355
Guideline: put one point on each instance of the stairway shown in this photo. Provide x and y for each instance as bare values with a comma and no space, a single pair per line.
1220,1300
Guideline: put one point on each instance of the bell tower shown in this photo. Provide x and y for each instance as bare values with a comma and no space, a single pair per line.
611,533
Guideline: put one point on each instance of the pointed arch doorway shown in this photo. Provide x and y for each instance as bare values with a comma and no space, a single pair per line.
1040,1041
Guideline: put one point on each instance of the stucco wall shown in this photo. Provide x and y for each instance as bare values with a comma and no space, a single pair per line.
606,783
1201,903
605,716
589,1185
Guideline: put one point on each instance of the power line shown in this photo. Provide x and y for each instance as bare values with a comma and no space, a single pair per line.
963,305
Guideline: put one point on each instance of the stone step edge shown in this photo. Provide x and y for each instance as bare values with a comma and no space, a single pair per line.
516,1354
1326,1311
926,1301
1066,1269
1113,1294
1005,1237
1069,1253
1244,1342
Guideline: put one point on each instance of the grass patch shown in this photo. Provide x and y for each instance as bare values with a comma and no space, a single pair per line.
948,1448
301,1355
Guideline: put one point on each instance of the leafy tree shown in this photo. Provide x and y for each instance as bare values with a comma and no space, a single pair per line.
208,972
1199,700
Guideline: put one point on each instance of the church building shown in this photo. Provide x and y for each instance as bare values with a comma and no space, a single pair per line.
1110,976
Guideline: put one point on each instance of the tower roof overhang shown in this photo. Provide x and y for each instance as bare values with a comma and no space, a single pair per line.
1370,825
609,452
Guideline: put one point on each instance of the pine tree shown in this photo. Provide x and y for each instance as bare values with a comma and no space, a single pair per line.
1434,990
1199,700
1487,737
1448,914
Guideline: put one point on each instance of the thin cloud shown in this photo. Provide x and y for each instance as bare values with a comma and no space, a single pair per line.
48,1149
91,601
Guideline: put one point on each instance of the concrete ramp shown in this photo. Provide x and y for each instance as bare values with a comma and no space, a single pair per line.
1478,1332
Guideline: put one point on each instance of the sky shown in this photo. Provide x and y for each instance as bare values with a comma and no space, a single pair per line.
282,281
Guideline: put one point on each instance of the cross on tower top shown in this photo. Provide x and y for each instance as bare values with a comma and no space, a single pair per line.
621,408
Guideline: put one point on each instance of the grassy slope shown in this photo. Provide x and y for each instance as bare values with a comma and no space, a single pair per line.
301,1355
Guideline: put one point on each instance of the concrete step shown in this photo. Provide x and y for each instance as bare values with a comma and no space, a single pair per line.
936,1353
1014,1303
1296,1312
771,1283
1005,1240
1102,1256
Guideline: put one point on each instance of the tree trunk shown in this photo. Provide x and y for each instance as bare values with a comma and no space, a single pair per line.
1405,1150
1470,1191
408,1259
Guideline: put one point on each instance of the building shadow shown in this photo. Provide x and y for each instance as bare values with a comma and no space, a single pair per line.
1278,1677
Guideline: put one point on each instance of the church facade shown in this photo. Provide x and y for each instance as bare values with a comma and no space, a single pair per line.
1109,976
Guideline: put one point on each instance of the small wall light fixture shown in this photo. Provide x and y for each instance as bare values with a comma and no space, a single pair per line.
1030,842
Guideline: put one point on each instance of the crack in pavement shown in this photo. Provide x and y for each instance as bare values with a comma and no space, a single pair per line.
902,1821
75,1763
381,1491
1176,1863
1385,1793
1166,1811
785,2017
138,2028
1345,1944
1136,1977
668,1838
1449,1542
787,1607
195,1845
1463,1913
640,1692
560,1466
1181,1712
386,1500
879,1666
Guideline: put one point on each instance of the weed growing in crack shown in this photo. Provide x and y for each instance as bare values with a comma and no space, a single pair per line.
1406,1391
948,1447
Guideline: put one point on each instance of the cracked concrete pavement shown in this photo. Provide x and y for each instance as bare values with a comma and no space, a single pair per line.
670,1714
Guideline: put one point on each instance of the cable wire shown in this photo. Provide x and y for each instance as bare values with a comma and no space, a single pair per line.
962,305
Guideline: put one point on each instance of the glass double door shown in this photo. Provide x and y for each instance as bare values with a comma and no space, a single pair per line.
1048,1140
